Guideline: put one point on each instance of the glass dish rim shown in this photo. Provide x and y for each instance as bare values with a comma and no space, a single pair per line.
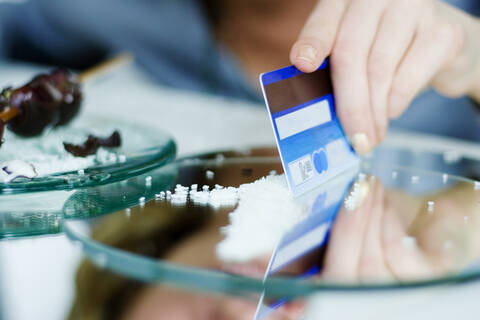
134,166
220,281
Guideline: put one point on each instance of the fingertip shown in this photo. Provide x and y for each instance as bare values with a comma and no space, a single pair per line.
305,57
304,66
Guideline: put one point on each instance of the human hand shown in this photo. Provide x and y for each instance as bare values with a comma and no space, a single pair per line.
383,53
367,241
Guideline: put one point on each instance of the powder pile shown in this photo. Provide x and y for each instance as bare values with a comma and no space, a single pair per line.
218,197
265,211
16,168
47,154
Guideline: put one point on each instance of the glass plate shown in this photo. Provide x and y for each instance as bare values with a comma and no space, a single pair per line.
142,149
432,219
35,207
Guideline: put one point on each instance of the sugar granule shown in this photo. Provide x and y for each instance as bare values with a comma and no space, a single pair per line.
476,186
209,174
430,206
148,181
445,178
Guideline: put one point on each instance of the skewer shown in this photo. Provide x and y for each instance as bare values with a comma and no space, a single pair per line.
104,67
8,114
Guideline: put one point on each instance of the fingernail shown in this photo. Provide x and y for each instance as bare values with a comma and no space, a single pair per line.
360,143
307,53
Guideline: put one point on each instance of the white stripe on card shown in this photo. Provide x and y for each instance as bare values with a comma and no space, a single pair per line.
303,119
301,245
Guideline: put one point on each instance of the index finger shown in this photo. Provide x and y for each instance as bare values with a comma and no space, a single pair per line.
317,37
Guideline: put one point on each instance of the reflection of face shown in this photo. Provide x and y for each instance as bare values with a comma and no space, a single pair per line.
173,304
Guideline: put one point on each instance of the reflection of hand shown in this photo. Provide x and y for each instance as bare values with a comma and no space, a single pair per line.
355,249
384,52
391,236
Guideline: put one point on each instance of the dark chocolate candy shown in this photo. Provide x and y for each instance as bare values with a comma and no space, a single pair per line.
91,145
47,100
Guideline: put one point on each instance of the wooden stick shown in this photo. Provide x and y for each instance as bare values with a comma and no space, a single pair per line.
8,114
104,67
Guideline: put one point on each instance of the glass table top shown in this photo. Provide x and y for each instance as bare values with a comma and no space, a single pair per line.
376,226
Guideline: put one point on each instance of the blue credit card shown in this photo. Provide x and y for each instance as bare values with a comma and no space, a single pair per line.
312,145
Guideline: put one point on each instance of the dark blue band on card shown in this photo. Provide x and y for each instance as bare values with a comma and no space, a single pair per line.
286,73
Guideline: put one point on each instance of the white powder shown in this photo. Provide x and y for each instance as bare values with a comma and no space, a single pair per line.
200,197
14,169
209,174
217,197
353,198
445,178
223,197
47,154
148,181
265,211
430,206
141,201
476,185
357,195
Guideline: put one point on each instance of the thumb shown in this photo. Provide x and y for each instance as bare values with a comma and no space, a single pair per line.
317,37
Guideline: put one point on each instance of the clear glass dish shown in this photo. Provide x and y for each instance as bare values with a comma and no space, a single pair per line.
414,227
142,149
35,207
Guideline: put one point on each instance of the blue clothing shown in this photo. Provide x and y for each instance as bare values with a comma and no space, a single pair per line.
172,40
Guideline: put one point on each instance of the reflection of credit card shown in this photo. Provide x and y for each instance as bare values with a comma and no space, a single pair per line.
311,142
299,252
